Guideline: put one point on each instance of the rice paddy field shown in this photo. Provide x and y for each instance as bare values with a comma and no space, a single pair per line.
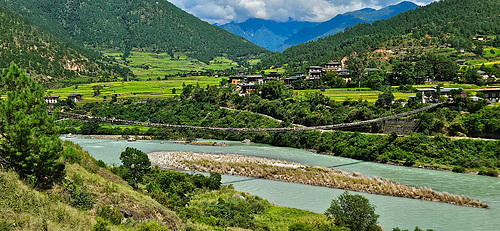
151,66
355,94
135,89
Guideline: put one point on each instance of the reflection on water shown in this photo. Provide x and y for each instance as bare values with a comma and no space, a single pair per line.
394,211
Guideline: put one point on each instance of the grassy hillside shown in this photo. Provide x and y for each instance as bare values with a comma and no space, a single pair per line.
48,58
24,208
437,24
151,25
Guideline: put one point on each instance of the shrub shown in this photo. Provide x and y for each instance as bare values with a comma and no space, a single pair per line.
458,169
488,172
152,226
112,215
299,227
101,225
101,164
78,197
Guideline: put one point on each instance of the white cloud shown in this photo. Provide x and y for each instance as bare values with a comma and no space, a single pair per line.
225,11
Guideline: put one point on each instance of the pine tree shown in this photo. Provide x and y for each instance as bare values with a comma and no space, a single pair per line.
29,141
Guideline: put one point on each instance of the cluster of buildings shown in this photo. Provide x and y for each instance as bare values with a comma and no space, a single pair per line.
430,95
52,99
249,83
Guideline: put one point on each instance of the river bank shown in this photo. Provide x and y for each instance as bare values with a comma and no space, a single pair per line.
279,170
223,144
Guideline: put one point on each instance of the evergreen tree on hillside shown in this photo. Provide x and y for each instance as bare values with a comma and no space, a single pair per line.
29,141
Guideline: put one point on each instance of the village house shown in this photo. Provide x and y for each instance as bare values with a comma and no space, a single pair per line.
290,80
254,79
369,70
235,80
314,72
75,97
247,87
492,94
272,76
345,74
51,99
430,95
333,66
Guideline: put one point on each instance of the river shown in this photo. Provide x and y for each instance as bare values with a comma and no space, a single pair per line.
394,211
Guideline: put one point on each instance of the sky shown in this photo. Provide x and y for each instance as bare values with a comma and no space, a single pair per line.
225,11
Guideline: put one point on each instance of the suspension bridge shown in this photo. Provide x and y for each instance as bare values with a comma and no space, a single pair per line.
248,130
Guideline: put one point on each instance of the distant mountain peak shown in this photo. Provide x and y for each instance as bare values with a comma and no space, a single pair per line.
278,36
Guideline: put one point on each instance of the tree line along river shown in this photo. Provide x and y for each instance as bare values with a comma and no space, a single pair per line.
394,211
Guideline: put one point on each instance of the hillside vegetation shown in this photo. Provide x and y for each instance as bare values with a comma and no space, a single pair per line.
151,25
48,58
439,23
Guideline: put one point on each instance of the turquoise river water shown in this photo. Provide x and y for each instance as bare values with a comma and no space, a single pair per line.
394,211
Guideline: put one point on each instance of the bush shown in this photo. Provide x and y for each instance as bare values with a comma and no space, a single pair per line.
101,225
458,169
299,227
152,226
78,197
488,172
112,215
101,164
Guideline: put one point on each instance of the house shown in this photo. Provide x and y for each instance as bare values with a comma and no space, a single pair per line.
483,74
333,66
368,70
272,76
479,38
254,79
430,94
247,88
491,94
235,80
75,97
460,62
345,74
290,80
299,74
314,72
50,99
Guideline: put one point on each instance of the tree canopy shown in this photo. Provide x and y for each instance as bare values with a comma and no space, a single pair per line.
29,141
137,162
353,211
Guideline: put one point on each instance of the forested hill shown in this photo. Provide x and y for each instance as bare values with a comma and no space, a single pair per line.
153,25
452,22
48,58
341,21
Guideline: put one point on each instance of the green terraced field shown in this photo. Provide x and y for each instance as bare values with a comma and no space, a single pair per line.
135,89
162,64
343,94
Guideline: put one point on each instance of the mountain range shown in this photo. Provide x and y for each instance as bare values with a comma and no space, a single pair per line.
442,24
278,36
125,24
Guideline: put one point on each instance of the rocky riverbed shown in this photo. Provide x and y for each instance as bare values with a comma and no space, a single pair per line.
279,170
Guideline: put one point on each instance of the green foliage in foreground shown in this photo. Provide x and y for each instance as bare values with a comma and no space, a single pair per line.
28,137
353,211
136,162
